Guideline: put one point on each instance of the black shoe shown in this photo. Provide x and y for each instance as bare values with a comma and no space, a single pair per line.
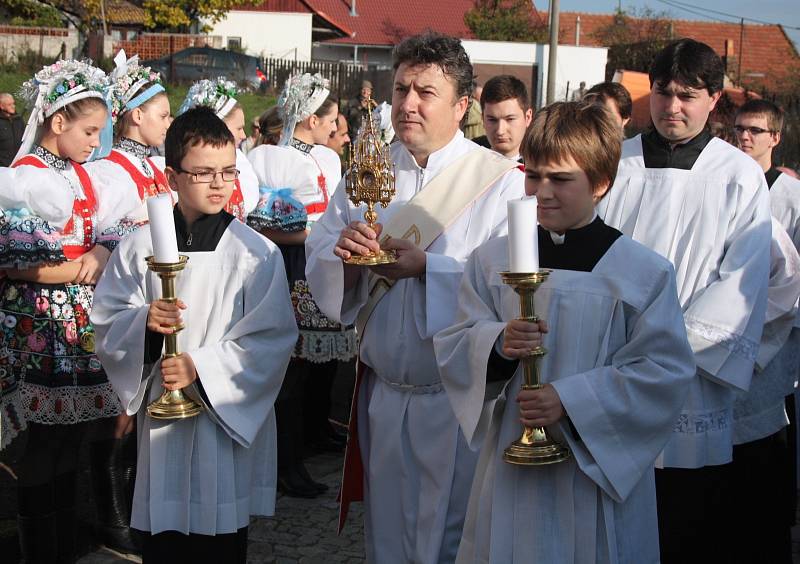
293,485
319,486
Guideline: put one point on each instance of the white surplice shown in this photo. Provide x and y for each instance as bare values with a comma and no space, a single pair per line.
620,361
713,223
209,473
418,467
784,199
760,412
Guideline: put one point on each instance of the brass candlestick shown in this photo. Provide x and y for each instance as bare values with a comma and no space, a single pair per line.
172,404
534,447
370,180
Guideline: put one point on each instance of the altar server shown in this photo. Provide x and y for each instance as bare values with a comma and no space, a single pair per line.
702,204
615,375
199,479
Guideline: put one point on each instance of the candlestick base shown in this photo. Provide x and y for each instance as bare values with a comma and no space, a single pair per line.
173,405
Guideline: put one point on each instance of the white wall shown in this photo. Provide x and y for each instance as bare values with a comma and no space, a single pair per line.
574,64
268,34
365,54
12,44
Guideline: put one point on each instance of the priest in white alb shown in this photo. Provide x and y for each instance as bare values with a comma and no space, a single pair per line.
408,455
615,375
702,204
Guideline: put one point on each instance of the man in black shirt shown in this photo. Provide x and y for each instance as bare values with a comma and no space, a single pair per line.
11,129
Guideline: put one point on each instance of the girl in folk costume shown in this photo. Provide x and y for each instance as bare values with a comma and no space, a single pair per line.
296,180
53,383
220,95
140,115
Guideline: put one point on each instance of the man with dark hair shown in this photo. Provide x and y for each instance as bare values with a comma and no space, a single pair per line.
703,205
450,197
506,115
341,137
11,129
615,98
764,437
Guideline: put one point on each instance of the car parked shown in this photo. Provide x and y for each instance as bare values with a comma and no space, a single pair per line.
195,63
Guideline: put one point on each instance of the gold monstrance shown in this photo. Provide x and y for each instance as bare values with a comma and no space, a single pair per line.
370,180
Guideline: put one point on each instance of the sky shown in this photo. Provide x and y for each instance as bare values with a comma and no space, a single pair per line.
784,12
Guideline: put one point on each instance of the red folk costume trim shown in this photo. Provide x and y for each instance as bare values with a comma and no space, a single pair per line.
147,187
235,205
82,209
322,184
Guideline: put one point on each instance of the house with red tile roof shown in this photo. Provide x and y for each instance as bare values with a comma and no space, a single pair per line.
365,31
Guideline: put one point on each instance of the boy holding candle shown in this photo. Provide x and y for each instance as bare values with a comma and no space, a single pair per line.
199,479
615,375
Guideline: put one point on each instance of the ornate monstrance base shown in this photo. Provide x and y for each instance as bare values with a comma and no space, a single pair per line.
173,405
374,259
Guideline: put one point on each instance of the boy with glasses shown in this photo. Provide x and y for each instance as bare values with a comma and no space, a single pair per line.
198,480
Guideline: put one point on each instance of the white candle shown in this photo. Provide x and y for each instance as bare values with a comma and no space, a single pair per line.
523,242
162,228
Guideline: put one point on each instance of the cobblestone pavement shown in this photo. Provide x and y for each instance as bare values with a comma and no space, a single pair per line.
302,531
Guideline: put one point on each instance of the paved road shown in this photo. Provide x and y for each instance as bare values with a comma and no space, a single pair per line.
302,530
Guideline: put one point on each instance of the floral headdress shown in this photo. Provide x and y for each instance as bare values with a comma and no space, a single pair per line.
125,81
218,94
302,95
54,87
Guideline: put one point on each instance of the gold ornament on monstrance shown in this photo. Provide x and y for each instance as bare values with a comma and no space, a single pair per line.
370,180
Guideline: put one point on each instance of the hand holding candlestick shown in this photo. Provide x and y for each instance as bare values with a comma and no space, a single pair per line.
534,447
166,263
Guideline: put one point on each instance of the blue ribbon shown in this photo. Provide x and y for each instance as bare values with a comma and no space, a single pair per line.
144,96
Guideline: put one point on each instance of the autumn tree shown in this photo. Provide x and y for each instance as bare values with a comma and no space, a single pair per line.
505,20
30,13
633,39
179,15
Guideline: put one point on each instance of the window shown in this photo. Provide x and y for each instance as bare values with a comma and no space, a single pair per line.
234,43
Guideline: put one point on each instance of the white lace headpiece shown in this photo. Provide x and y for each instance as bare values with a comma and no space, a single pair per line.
125,81
302,95
218,94
54,87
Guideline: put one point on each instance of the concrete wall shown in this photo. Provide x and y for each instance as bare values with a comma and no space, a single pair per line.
45,41
279,35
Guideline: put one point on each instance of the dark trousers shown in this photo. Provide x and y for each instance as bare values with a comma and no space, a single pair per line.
46,492
763,501
695,523
172,547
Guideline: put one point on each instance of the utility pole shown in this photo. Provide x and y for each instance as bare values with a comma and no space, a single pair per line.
551,61
741,52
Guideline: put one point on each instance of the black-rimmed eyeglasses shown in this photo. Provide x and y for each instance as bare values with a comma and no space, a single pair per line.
751,130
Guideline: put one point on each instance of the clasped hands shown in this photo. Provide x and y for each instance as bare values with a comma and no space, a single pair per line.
358,239
179,371
537,408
